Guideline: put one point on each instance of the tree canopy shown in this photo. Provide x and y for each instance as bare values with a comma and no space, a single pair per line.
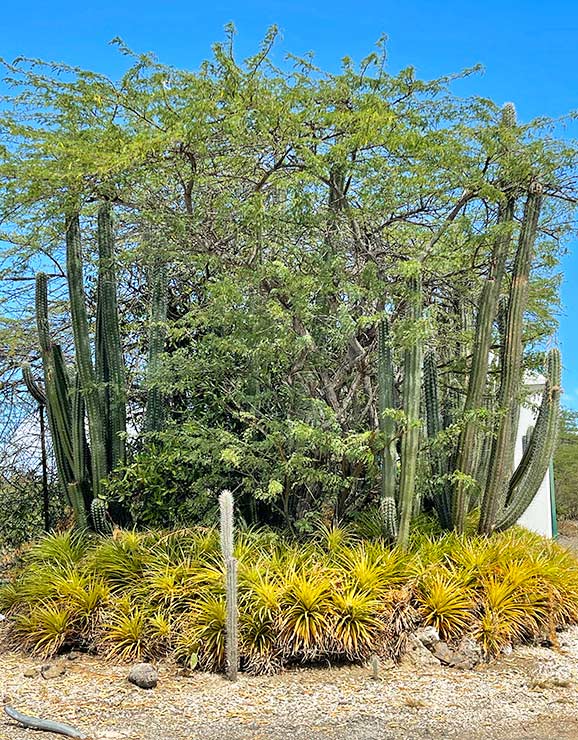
287,209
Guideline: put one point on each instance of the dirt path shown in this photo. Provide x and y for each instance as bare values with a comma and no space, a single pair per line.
490,702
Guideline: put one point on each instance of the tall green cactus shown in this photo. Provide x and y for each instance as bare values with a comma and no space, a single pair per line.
412,364
227,547
511,365
387,428
441,496
533,466
63,431
466,458
109,359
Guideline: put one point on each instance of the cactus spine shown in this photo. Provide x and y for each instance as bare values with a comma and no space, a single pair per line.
411,406
503,448
227,547
387,427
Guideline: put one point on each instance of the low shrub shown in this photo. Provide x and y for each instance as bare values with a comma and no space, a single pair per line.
334,598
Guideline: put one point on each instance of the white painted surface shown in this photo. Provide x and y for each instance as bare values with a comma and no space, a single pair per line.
538,516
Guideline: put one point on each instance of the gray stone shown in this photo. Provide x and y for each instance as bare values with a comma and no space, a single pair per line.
428,636
52,670
143,675
467,655
443,653
418,655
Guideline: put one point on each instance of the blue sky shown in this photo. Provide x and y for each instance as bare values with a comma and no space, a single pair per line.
529,51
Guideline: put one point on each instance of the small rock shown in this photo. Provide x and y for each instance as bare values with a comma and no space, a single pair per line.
507,649
417,654
443,653
143,675
428,636
550,676
31,672
52,670
467,655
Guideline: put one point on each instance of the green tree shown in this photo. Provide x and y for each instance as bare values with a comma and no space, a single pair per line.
290,210
566,466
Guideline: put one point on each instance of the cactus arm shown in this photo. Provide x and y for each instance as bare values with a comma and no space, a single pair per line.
34,389
503,449
35,723
227,524
56,396
534,464
387,427
90,390
411,406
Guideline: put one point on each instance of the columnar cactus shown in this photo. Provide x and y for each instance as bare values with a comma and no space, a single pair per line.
387,427
528,476
58,403
466,457
109,358
441,496
83,357
413,356
511,365
227,549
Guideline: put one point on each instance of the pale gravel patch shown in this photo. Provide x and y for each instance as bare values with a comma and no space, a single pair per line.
493,701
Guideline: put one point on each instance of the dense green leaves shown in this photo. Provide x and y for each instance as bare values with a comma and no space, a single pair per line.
288,207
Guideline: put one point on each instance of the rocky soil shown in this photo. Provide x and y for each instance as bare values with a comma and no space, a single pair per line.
531,694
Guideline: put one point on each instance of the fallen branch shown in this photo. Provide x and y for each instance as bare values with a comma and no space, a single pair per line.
34,723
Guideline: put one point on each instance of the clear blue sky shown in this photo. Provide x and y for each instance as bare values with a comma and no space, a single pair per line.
529,50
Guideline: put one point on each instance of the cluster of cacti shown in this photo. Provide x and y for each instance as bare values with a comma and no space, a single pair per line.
227,548
92,395
94,392
479,470
70,460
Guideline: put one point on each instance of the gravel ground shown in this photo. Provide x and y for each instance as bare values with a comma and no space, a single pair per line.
492,701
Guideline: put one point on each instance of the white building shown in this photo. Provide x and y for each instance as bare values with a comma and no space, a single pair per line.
540,516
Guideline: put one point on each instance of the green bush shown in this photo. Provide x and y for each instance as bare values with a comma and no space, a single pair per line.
566,467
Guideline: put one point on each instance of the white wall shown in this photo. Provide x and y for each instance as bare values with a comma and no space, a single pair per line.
538,516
